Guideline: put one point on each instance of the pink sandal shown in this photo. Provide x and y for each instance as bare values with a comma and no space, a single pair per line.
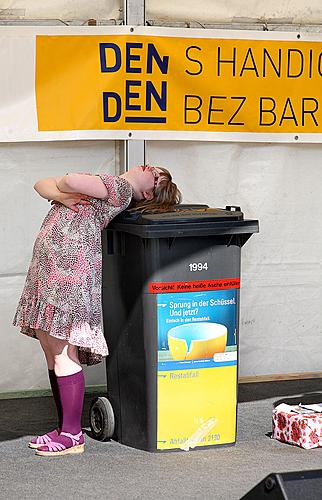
54,449
44,439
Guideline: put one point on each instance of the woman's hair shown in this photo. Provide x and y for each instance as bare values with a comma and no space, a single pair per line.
166,195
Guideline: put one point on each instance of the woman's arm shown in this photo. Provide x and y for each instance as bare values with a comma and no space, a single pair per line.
91,185
48,189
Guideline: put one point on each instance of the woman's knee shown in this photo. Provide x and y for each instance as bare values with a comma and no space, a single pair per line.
72,353
62,348
65,356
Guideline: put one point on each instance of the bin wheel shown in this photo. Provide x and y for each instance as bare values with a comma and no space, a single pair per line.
101,418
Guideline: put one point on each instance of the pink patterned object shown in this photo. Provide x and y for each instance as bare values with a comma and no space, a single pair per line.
62,293
56,448
44,439
301,429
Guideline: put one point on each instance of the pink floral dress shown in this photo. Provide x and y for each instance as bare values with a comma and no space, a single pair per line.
62,293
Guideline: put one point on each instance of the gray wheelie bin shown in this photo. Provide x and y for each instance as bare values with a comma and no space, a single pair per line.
171,308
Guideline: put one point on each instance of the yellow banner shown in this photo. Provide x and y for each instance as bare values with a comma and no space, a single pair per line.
167,83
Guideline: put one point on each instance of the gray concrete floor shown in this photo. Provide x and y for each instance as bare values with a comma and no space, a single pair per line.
114,471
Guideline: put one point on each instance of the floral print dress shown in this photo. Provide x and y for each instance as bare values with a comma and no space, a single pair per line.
62,292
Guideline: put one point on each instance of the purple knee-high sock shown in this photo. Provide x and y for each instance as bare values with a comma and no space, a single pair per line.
71,391
55,391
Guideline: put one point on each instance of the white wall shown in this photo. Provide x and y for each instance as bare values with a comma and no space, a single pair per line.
216,11
60,9
281,315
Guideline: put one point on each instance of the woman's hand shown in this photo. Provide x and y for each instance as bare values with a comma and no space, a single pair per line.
71,200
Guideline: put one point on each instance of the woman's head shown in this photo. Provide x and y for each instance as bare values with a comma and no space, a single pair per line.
154,190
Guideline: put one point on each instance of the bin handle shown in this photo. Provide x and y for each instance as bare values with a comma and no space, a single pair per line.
233,208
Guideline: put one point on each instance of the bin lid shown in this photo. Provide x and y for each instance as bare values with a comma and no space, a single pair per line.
182,214
185,220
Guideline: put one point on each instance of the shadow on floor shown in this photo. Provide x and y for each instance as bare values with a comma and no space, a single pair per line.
299,391
32,416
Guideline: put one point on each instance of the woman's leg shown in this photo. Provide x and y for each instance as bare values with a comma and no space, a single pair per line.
71,385
52,435
64,355
43,338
